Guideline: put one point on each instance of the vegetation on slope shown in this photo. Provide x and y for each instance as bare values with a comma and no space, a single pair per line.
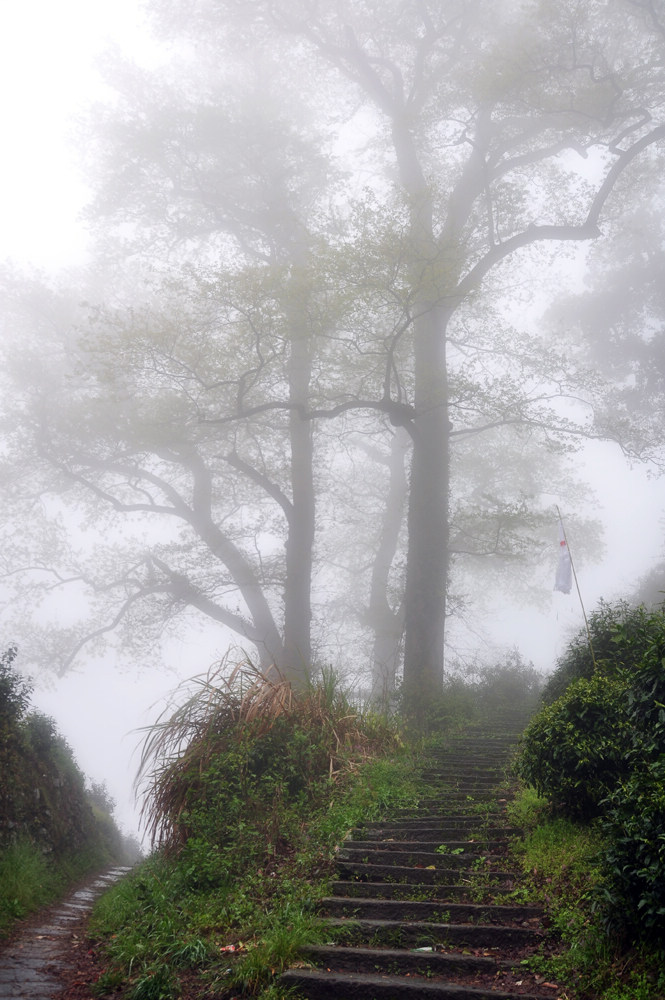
250,785
595,753
53,830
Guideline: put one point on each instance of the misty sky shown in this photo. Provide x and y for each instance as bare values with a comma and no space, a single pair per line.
47,70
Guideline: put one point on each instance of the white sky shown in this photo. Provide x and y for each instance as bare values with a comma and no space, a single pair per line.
48,53
47,73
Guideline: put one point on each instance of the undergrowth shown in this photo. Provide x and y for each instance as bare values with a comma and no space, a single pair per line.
564,867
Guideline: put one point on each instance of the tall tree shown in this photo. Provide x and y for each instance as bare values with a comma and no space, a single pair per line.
489,113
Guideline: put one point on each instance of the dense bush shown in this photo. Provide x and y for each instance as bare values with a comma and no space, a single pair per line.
634,816
620,634
508,687
250,786
574,751
599,751
51,833
634,865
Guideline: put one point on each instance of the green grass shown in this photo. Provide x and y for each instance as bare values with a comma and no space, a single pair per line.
27,881
562,865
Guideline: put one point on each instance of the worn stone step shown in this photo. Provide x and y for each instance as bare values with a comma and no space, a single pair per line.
416,933
462,818
363,986
440,910
416,890
465,768
382,855
360,871
438,846
340,959
444,833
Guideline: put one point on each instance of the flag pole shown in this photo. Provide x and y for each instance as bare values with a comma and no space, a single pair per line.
579,592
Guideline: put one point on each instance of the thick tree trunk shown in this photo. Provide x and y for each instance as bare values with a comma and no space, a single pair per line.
427,554
427,558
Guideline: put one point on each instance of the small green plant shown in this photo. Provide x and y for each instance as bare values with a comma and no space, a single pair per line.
156,984
527,809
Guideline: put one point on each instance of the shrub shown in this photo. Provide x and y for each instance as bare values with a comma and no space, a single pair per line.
634,824
258,785
252,746
599,751
634,812
27,881
620,635
574,752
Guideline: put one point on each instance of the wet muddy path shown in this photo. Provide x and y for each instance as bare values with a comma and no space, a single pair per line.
33,959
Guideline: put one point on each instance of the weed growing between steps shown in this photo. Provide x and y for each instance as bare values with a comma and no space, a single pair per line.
564,866
250,788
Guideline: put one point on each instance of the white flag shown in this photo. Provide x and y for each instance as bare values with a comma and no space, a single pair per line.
564,570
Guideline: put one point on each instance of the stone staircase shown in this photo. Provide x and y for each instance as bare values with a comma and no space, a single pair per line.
422,903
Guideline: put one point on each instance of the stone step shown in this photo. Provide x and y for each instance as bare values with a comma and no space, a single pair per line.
421,906
418,933
417,961
363,986
468,847
382,855
408,875
440,911
434,830
419,890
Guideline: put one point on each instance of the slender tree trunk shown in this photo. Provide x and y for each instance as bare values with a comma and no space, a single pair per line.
387,622
300,541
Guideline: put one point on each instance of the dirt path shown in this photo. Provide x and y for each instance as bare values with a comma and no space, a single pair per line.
35,959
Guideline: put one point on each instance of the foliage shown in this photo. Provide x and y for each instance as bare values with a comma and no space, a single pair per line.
478,691
564,870
634,823
273,792
599,751
50,831
620,634
511,684
255,744
14,693
574,751
634,812
280,317
27,881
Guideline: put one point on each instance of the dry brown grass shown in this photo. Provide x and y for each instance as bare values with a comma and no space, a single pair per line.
225,707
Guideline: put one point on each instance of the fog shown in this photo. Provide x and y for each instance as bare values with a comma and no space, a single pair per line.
51,65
